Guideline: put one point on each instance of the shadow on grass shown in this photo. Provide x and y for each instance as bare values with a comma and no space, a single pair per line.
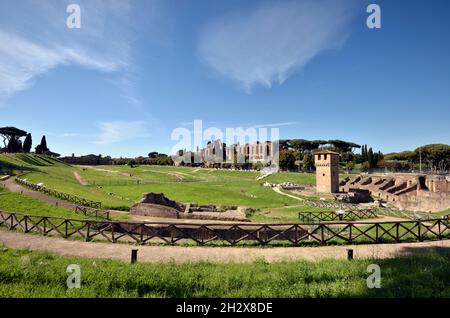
421,272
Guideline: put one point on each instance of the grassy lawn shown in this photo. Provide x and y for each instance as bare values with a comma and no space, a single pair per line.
288,214
31,274
122,186
16,202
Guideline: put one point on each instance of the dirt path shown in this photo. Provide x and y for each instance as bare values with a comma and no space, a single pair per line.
80,179
180,254
110,171
278,190
12,186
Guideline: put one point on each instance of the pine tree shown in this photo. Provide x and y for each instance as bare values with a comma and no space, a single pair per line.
364,153
371,158
44,144
27,143
42,147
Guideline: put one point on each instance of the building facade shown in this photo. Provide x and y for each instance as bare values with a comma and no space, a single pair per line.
327,171
217,152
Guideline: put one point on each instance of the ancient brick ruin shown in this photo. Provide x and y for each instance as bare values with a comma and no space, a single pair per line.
413,192
158,205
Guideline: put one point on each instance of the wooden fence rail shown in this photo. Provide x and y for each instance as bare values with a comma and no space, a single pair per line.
60,195
311,217
231,234
97,213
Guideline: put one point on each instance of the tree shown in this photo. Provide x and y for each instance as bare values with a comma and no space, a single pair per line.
343,146
314,144
132,163
350,166
365,166
27,143
14,145
44,144
371,159
308,161
287,159
11,138
42,147
433,153
364,153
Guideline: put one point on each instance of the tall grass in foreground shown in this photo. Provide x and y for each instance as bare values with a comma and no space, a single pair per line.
32,274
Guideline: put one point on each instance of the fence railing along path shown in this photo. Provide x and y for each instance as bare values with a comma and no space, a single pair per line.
59,195
293,234
97,213
311,217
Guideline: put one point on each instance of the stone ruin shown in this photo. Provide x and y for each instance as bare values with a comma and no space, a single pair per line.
158,205
284,185
413,192
354,196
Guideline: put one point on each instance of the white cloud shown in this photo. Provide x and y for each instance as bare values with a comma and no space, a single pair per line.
267,45
70,135
289,123
117,131
34,39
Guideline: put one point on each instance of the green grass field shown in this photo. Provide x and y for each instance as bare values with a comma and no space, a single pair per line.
122,186
16,202
33,274
119,187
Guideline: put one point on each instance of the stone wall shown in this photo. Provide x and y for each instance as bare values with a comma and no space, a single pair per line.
406,191
158,205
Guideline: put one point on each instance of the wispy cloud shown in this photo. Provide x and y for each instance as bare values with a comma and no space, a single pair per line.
117,131
289,123
268,44
76,135
35,40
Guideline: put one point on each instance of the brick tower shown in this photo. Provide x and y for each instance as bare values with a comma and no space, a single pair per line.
327,171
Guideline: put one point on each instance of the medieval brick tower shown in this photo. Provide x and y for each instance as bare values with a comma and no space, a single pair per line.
327,171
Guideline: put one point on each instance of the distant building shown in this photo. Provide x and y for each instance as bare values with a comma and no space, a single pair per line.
217,152
327,171
89,160
214,152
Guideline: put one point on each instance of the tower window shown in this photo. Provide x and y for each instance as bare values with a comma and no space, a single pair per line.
319,157
324,174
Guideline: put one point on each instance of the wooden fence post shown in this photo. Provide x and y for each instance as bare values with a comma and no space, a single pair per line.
349,254
26,223
134,256
419,232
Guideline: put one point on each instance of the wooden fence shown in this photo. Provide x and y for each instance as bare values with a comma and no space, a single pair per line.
311,217
60,195
231,234
98,214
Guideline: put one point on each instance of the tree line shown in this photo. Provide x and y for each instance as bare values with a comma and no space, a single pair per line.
297,154
431,157
13,144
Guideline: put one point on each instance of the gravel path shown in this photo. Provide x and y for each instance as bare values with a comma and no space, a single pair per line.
80,179
278,190
12,186
180,254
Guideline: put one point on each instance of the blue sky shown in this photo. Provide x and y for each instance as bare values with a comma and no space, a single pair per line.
136,70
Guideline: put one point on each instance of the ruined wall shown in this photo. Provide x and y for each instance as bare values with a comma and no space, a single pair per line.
406,191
